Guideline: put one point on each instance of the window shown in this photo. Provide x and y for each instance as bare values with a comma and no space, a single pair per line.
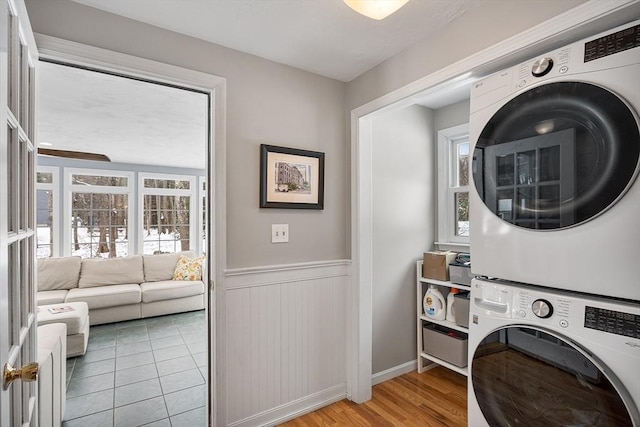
46,209
168,212
99,215
453,185
202,185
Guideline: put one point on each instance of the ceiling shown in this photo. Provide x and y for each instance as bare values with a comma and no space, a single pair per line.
129,121
325,37
143,123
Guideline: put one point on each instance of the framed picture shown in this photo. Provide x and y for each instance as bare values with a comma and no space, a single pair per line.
291,178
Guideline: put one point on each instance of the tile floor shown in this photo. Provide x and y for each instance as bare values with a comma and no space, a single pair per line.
148,372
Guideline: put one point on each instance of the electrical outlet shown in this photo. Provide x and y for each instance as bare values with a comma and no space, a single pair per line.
279,233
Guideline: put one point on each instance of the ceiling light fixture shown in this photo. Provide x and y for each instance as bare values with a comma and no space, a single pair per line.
375,9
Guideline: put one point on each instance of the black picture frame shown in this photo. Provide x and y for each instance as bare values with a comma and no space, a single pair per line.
291,178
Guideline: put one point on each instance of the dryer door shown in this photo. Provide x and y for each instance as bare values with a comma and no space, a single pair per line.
525,376
557,155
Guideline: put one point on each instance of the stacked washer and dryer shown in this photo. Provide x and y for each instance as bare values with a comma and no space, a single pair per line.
554,332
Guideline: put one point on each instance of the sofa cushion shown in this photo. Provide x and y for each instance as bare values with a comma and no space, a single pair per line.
51,297
58,273
160,267
188,268
106,296
111,271
170,289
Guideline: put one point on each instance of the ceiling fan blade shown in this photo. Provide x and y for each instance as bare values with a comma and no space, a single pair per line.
74,154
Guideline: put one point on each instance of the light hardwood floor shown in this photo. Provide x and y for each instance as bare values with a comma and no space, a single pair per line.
437,397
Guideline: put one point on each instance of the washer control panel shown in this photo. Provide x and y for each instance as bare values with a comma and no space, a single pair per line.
533,305
612,321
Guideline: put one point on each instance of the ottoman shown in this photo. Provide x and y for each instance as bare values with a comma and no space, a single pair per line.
76,316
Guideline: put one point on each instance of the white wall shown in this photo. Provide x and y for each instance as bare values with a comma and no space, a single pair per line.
403,227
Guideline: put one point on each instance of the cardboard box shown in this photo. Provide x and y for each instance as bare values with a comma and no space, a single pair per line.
444,343
436,265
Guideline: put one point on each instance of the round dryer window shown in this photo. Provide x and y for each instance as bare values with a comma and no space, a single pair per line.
557,155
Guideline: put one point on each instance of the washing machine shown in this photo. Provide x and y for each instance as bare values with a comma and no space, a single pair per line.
541,357
555,199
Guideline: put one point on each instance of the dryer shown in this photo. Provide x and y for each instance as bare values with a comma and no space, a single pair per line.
540,357
556,154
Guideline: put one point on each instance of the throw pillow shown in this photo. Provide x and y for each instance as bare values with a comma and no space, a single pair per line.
188,268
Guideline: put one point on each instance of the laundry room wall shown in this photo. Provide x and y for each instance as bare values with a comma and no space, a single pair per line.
451,115
462,37
403,228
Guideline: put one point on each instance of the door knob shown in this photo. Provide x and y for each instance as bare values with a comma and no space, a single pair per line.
27,373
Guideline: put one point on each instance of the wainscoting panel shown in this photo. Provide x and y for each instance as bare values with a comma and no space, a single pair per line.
286,340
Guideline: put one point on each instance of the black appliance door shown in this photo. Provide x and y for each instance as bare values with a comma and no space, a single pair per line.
525,376
557,155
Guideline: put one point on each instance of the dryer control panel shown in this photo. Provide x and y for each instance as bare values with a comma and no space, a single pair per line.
612,43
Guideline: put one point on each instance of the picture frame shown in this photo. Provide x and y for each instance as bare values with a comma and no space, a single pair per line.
291,178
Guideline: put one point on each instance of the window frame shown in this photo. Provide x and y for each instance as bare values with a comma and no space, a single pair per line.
54,187
194,204
201,216
448,139
70,188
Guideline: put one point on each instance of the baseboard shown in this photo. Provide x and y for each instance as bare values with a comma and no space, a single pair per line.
396,371
294,409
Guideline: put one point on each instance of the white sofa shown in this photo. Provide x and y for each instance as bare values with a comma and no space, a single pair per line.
117,289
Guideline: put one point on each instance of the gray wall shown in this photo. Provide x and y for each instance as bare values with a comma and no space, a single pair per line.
451,115
266,103
478,29
403,227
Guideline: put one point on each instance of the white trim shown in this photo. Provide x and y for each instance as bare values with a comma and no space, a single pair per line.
294,409
92,57
394,372
587,18
277,274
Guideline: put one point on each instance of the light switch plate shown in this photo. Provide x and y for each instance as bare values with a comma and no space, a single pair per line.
279,233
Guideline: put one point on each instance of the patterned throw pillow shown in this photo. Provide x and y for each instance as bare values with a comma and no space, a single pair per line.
188,268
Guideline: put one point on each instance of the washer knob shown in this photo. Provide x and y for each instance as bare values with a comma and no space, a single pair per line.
542,308
541,66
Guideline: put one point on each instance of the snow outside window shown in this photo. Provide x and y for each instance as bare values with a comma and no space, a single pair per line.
46,209
100,215
168,213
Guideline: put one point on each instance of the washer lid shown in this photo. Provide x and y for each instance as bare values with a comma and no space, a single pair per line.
557,155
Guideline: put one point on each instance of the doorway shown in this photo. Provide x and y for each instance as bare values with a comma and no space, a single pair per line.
156,229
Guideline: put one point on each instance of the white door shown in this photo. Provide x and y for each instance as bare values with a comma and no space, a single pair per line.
17,234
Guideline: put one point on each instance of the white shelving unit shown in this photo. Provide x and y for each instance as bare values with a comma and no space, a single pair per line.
422,284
